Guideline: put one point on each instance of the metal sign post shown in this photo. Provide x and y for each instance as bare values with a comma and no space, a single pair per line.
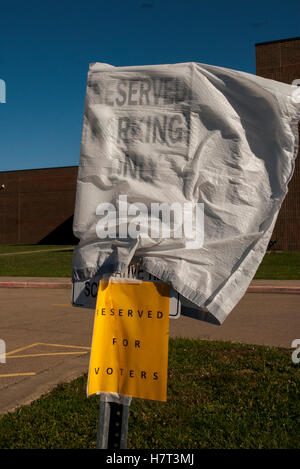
113,423
135,346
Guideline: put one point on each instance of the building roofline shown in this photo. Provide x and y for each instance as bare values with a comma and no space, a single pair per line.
278,40
38,169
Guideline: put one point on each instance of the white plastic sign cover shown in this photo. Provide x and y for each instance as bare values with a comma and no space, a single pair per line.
195,135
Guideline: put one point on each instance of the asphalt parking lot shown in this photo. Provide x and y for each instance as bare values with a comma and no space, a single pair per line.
48,341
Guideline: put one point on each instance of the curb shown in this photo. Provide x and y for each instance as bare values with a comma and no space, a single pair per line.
272,289
35,284
251,288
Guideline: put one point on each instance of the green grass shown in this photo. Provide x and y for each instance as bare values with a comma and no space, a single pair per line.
15,248
40,264
220,395
280,266
275,266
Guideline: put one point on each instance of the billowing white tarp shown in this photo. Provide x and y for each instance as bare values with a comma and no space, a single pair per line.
189,134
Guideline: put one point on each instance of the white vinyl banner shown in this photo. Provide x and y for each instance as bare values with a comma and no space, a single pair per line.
183,170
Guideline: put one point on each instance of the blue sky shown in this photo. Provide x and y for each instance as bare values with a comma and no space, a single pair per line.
46,47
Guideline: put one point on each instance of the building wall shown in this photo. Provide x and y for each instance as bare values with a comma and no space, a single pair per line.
280,60
36,206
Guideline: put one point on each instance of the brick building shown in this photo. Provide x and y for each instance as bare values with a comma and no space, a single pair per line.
36,206
280,60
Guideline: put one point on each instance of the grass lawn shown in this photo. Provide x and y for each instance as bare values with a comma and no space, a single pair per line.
220,395
57,263
280,266
275,266
15,248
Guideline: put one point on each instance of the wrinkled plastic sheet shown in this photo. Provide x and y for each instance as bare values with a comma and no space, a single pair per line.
186,133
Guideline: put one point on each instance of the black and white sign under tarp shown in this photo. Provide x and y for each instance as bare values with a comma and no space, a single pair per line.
84,293
183,169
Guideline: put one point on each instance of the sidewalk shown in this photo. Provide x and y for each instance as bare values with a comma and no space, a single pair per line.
48,341
256,286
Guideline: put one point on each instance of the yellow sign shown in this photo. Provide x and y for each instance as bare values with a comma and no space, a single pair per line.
129,353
